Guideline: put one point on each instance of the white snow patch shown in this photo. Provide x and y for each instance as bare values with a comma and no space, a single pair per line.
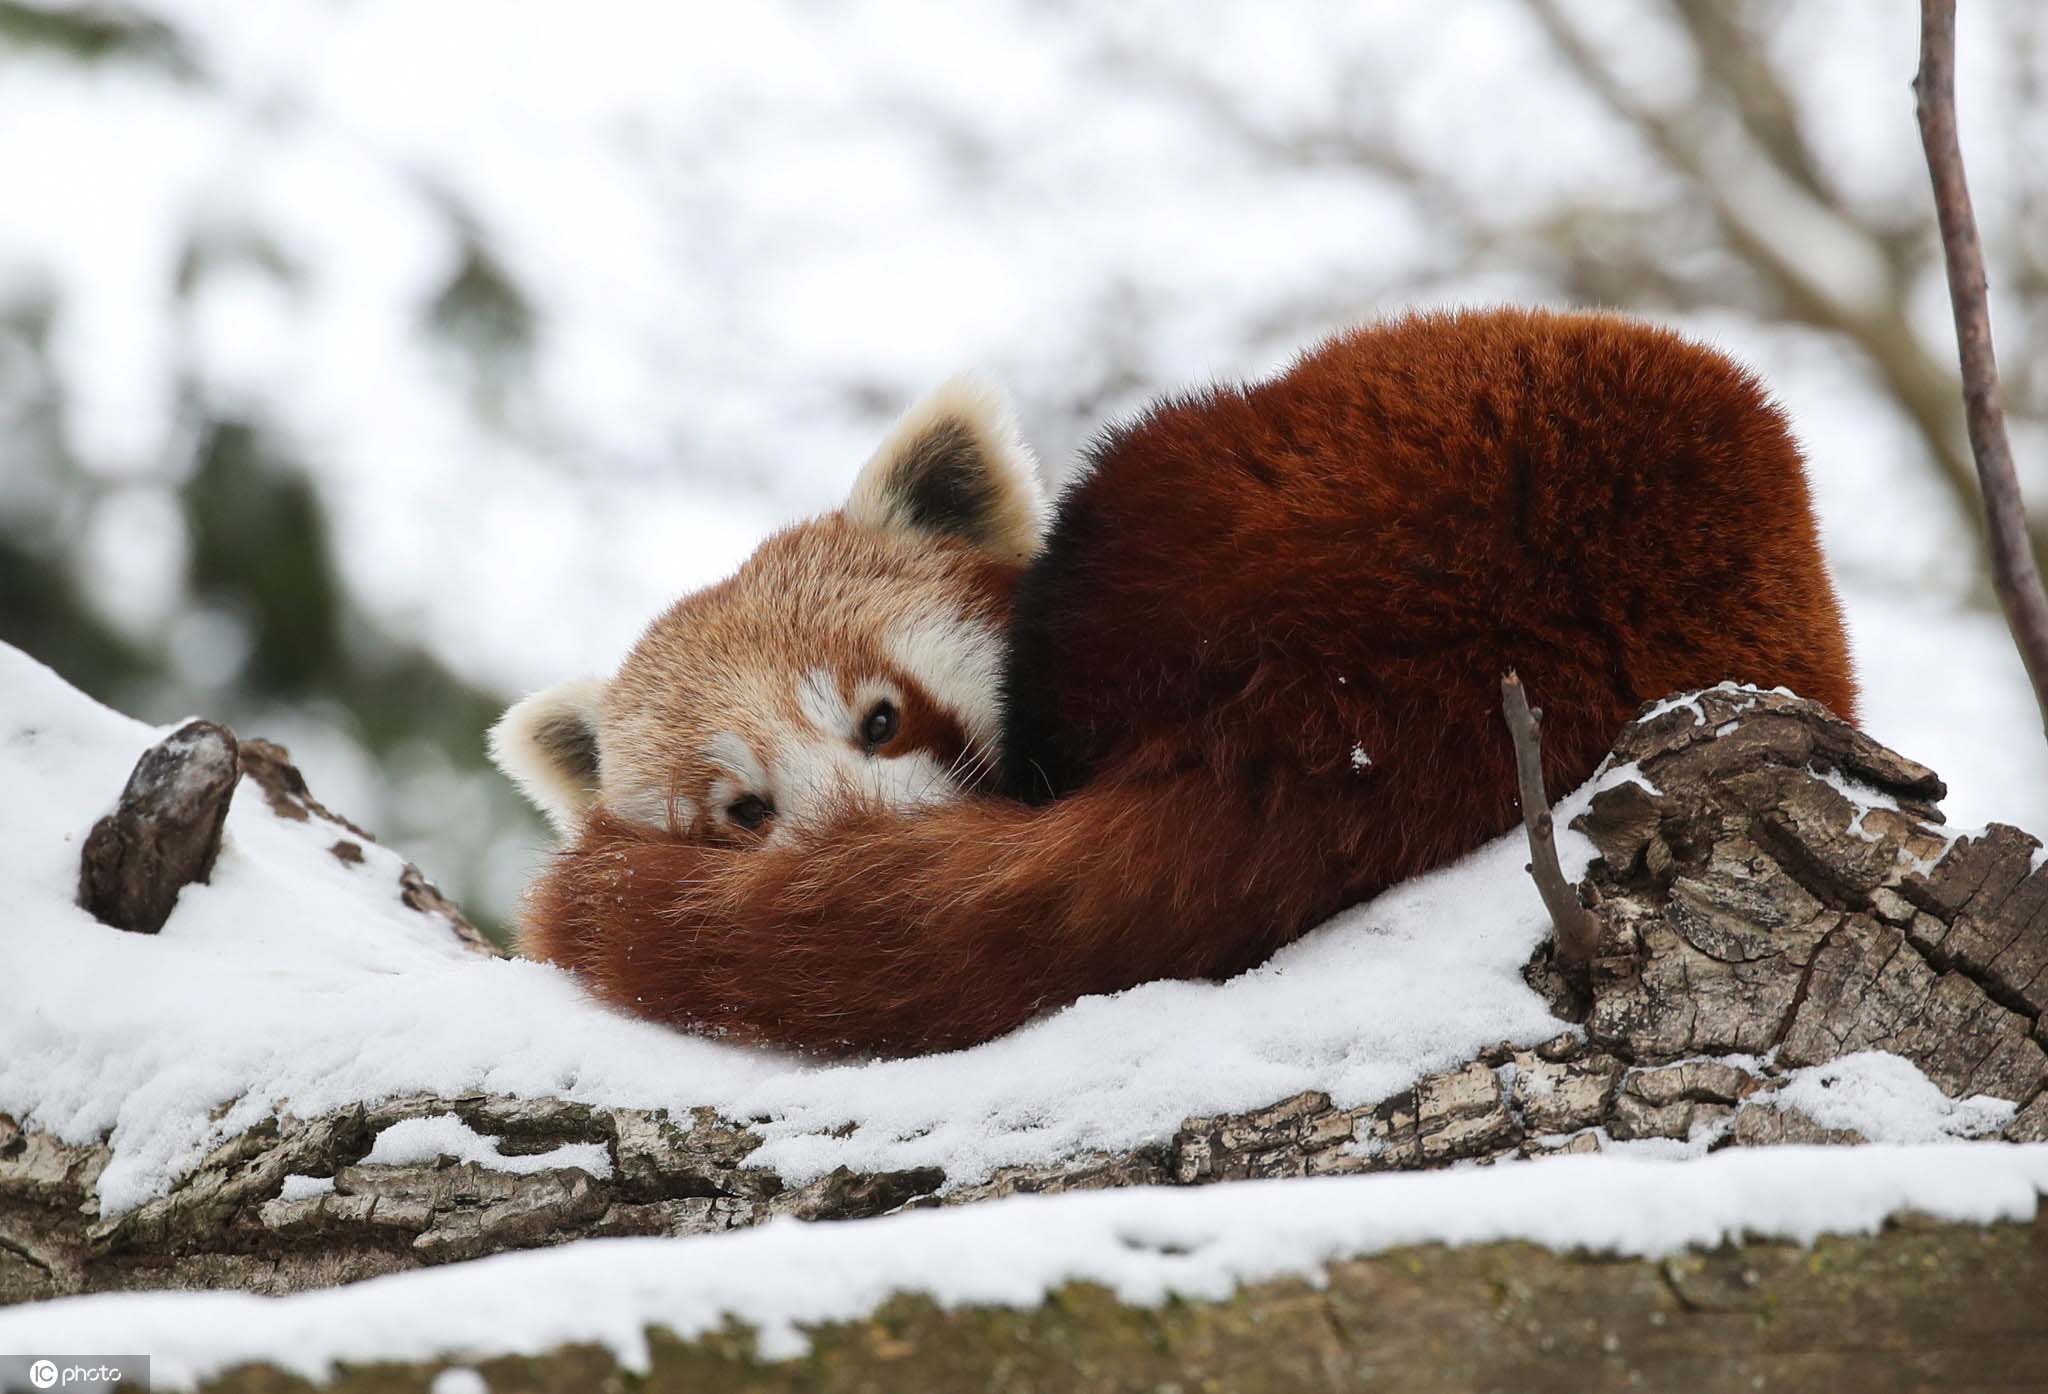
1684,701
1611,775
1359,759
1866,797
1863,796
294,982
1886,1098
306,1187
1145,1244
459,1379
1690,701
423,1141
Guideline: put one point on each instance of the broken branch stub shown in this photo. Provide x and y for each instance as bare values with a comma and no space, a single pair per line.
1576,932
165,832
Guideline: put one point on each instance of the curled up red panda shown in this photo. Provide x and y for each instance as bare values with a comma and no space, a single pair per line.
926,767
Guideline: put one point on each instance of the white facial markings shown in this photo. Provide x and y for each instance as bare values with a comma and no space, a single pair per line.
960,663
814,776
820,760
652,807
807,769
731,753
818,698
744,777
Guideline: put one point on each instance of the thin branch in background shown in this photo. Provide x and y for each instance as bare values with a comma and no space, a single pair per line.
1879,327
1575,931
2013,571
1758,95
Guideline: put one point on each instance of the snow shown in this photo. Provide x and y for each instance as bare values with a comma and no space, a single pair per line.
1864,796
1148,1245
1689,701
296,982
423,1141
1629,772
458,1380
1680,702
305,1187
1883,1096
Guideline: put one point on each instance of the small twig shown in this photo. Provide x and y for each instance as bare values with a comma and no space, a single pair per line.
1575,932
2013,571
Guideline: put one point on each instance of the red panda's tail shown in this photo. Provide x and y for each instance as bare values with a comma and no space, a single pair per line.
909,932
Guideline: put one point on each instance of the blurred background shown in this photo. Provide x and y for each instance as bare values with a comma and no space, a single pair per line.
365,364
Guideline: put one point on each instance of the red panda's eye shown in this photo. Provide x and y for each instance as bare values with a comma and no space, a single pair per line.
750,812
880,727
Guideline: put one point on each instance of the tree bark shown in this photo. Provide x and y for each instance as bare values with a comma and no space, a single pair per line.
165,833
1912,1309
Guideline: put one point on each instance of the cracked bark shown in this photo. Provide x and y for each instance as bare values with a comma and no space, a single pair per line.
1777,890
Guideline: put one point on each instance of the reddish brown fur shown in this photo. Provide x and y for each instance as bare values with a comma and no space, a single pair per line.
1250,584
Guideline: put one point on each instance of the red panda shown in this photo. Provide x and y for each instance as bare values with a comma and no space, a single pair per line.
923,770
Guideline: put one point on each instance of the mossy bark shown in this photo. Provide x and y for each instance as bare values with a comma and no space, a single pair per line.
1917,1307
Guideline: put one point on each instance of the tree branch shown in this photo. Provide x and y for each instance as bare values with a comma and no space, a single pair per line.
1573,926
2013,570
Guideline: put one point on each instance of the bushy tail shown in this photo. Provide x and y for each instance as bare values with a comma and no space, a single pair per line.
910,932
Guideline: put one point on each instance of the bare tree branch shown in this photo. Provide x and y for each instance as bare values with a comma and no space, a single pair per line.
2013,570
1576,932
1758,95
1916,380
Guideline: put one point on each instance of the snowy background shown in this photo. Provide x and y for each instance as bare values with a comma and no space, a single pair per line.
364,365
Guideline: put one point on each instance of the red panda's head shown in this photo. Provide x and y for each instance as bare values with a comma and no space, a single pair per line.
859,653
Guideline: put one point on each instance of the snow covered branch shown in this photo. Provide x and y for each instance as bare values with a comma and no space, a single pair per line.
2015,574
1780,901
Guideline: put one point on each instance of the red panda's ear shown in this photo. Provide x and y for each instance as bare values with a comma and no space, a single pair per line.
547,745
955,466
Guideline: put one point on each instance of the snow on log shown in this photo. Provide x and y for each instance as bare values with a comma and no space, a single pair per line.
1793,949
1907,1308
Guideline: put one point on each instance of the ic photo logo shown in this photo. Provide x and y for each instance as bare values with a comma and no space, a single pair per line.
74,1374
